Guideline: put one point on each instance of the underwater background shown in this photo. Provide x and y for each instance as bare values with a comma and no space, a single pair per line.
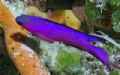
21,52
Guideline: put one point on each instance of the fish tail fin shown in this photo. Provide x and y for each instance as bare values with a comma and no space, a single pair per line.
98,52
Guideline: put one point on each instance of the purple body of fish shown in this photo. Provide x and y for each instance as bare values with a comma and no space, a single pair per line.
52,31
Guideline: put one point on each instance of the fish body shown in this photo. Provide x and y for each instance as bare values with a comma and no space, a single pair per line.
52,31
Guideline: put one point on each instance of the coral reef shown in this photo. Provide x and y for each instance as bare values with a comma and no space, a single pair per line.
116,20
24,58
57,58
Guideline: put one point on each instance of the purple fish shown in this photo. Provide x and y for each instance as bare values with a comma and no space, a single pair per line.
52,31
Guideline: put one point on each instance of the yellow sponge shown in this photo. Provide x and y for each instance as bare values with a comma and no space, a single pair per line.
32,10
71,20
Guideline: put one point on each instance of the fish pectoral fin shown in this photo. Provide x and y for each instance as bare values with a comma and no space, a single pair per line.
45,38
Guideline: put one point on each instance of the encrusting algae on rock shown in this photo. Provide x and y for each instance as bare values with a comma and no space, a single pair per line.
26,61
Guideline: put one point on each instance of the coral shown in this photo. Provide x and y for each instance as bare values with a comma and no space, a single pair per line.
101,4
25,59
71,20
60,16
114,3
66,17
116,20
31,10
15,8
60,58
92,12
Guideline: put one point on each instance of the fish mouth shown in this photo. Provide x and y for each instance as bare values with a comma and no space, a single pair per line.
22,20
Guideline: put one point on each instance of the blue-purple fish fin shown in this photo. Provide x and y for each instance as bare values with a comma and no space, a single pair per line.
30,19
92,38
98,52
44,38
